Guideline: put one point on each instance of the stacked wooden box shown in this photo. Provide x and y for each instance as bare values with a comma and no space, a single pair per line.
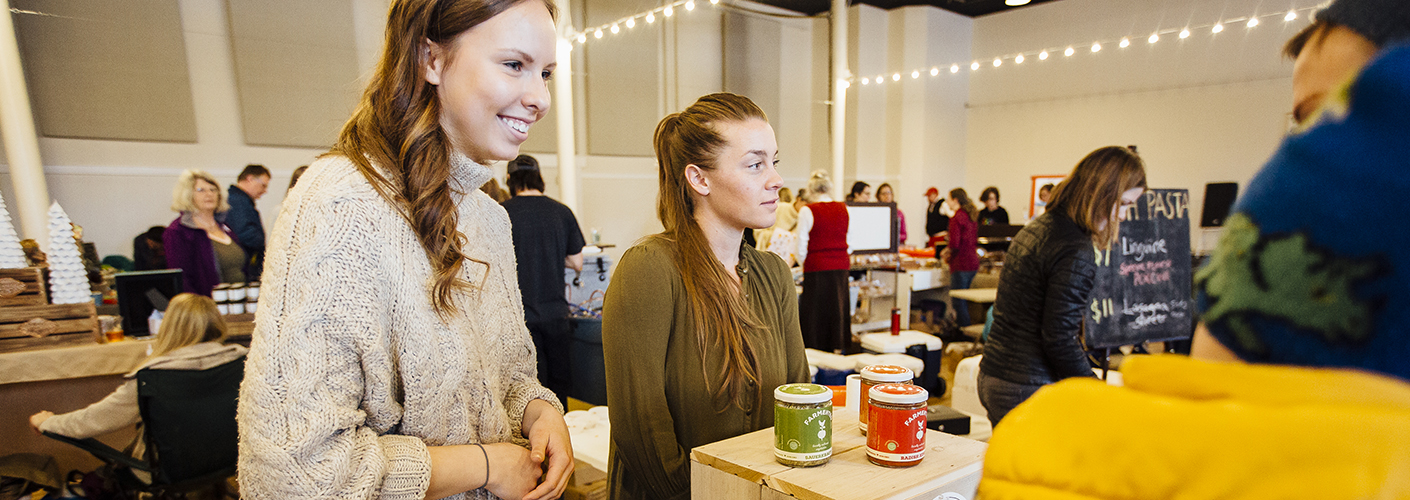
28,321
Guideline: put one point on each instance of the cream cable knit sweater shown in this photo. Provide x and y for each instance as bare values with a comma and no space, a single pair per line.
351,374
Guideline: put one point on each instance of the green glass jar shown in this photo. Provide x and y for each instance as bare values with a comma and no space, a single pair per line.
802,425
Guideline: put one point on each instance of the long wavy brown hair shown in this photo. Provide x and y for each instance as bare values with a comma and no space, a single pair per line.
966,204
717,309
395,137
1088,195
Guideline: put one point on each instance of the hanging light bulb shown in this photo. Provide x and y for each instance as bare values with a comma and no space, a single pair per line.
895,77
954,68
1155,37
974,66
615,29
1125,42
582,37
690,5
1043,56
1292,15
1217,28
1252,21
880,78
668,11
1018,60
650,17
866,81
915,74
631,22
934,71
1069,52
1096,47
1184,34
597,33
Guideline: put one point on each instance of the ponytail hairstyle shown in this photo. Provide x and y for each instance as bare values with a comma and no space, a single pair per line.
1088,195
395,139
966,204
716,308
818,183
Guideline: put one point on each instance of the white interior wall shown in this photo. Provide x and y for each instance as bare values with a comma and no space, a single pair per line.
1208,108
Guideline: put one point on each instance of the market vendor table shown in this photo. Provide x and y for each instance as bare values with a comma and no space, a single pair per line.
744,468
981,295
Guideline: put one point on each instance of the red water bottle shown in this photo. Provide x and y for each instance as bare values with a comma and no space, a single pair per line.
896,321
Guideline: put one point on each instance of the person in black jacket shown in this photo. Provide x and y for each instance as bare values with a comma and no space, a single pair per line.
1049,275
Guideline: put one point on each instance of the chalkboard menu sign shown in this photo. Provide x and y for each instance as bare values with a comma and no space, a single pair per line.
1142,292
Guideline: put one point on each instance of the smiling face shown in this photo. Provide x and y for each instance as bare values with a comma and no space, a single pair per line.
742,190
492,81
205,196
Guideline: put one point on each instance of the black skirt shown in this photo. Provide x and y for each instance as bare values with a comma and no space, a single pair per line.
823,311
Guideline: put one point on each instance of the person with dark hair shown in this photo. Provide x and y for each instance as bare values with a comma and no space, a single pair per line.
884,194
1343,37
962,253
861,192
148,253
1049,274
294,179
243,217
1045,194
547,240
390,356
992,214
699,328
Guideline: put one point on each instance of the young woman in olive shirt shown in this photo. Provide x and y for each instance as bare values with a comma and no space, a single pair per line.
698,328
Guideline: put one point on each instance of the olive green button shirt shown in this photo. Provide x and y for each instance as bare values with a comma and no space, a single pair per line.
660,403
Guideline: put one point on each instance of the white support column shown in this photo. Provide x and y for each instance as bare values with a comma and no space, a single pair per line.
563,95
21,145
840,73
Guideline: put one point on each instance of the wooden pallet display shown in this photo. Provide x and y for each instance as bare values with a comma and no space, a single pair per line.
24,287
25,328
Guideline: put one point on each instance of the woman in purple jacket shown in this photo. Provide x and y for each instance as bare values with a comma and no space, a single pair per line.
197,242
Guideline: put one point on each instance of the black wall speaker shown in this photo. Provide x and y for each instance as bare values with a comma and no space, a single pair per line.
1218,199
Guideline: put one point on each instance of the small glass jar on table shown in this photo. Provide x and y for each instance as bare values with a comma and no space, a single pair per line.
879,374
802,425
898,414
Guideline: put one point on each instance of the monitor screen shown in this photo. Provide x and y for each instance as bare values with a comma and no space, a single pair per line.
871,227
141,292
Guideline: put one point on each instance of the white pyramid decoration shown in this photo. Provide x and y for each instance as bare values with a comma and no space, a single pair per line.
68,281
11,255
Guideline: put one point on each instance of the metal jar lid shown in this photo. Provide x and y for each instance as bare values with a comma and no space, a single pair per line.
887,373
901,394
803,394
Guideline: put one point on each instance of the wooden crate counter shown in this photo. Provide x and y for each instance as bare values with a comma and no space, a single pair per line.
744,468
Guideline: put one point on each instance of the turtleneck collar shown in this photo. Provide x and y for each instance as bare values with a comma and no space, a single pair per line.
467,173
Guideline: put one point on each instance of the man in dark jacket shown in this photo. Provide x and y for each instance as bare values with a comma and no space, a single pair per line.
243,217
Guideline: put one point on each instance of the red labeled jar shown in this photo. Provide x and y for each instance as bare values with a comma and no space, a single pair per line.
897,437
874,375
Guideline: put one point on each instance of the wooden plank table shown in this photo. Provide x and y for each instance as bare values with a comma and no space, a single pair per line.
744,468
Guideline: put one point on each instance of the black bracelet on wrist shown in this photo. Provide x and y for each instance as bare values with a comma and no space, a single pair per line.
487,465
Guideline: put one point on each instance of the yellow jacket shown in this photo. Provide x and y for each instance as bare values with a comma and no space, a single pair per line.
1187,429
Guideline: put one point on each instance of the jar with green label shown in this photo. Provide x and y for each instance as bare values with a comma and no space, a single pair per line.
802,425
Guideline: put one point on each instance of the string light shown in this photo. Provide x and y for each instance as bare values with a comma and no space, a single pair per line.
880,78
896,77
1096,47
915,74
631,22
1043,56
1018,60
1155,37
650,17
615,29
1217,28
668,11
1252,21
714,2
954,68
582,38
1069,52
690,5
1185,33
866,80
974,66
597,34
1292,15
1125,42
934,71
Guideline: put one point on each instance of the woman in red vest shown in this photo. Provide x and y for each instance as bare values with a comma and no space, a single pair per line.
822,248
